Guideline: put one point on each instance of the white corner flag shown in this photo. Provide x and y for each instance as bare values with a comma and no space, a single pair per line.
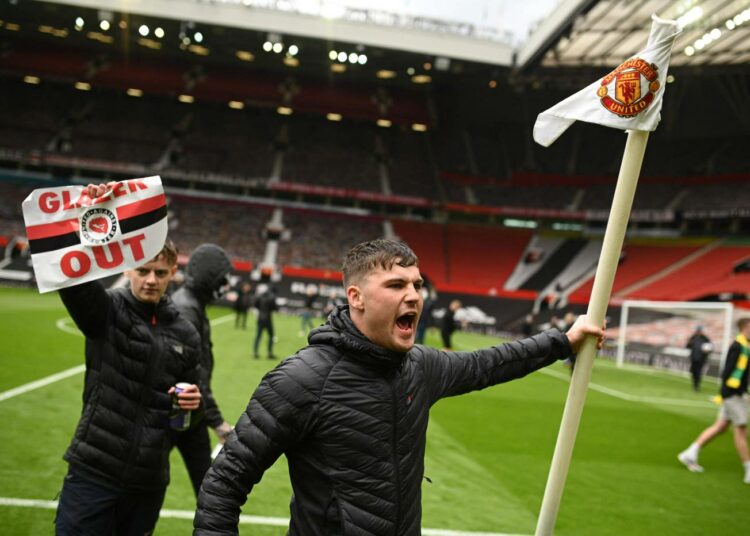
628,98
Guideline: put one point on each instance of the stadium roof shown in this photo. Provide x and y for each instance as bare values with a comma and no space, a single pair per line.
604,32
570,33
412,47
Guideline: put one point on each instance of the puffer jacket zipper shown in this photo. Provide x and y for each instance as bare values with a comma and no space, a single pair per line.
394,454
144,395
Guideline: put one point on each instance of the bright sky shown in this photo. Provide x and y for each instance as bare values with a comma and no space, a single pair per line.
512,19
512,16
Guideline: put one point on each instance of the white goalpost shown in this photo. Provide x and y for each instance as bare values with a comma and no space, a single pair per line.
659,331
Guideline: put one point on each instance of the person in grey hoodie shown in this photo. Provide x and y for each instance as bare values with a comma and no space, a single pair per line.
207,278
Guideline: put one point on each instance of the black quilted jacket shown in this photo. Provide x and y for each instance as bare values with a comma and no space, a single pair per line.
351,419
134,353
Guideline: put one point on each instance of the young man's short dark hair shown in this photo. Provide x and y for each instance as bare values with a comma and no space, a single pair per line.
381,252
169,251
742,323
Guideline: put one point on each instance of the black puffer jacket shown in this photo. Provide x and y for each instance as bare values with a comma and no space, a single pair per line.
134,353
351,418
208,268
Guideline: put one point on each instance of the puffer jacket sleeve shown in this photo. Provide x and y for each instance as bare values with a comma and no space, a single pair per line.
455,373
88,305
191,311
280,414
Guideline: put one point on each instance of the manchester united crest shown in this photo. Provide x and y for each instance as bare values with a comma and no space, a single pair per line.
630,88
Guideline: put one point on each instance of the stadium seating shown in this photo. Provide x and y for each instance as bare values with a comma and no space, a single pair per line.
639,260
331,154
710,273
474,256
237,227
320,240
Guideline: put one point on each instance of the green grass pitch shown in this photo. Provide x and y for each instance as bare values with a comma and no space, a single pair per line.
488,453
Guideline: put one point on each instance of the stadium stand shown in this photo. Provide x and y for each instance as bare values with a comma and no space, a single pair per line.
207,145
11,217
238,227
499,250
429,242
331,154
706,274
472,171
410,166
638,261
320,240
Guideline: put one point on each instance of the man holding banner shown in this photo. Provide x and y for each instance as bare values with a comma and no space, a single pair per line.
137,349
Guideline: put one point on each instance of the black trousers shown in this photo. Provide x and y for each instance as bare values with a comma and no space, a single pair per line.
696,370
195,448
87,508
447,334
264,325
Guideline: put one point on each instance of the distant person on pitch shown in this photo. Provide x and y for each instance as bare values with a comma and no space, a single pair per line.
350,410
207,279
733,410
266,305
700,347
137,348
242,304
308,311
449,324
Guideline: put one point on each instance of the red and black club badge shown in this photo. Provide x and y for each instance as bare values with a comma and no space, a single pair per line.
630,88
98,226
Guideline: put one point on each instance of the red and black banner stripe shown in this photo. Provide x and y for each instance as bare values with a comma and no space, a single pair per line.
65,233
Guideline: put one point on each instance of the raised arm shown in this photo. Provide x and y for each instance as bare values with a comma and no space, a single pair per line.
88,305
454,373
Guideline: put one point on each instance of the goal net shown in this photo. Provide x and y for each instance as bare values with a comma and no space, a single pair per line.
656,334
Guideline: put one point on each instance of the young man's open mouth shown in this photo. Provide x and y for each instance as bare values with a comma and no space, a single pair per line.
406,323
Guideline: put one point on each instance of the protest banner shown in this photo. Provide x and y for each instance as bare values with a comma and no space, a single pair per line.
74,238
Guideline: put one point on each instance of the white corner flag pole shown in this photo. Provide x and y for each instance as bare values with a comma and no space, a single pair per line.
614,236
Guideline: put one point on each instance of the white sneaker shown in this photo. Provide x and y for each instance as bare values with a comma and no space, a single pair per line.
746,480
692,463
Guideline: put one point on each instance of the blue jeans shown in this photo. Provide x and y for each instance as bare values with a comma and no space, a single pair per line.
87,508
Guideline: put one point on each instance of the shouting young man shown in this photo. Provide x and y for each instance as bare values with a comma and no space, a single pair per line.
350,410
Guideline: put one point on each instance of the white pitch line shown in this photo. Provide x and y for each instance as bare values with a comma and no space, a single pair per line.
25,388
62,325
634,398
244,519
222,319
